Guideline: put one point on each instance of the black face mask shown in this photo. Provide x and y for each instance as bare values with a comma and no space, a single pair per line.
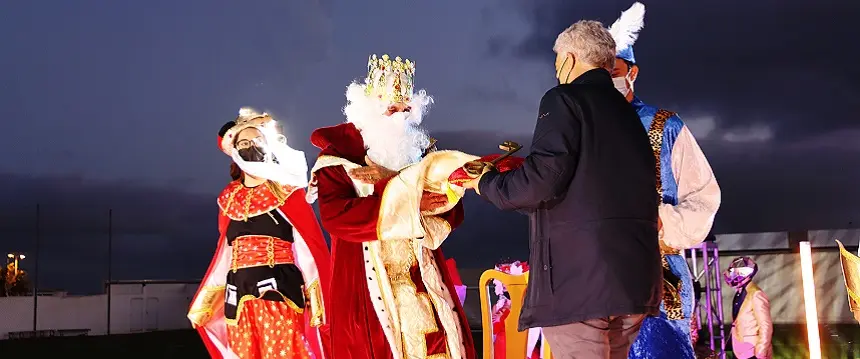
252,154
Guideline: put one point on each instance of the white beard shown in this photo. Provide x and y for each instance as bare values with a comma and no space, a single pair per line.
395,141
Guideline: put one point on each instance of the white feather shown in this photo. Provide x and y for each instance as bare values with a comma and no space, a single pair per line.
626,29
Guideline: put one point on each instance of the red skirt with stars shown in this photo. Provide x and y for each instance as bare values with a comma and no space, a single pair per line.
268,329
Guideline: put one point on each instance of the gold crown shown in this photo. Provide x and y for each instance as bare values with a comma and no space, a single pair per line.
390,80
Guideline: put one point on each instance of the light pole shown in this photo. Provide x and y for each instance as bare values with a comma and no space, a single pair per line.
14,258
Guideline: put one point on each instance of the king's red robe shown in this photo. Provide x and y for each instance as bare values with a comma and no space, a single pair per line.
360,325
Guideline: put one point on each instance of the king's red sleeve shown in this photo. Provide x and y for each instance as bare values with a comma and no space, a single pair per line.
343,213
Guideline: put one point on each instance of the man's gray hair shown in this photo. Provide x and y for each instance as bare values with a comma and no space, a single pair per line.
589,42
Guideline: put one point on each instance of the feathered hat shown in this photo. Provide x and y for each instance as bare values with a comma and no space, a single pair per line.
247,118
626,29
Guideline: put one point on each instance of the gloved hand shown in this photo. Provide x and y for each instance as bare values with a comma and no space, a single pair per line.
474,169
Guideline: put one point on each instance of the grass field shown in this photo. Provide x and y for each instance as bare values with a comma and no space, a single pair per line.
838,341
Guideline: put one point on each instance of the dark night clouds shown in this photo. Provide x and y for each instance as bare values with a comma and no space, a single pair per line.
763,85
777,66
116,104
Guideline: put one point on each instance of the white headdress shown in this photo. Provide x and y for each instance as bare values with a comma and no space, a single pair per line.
626,29
282,163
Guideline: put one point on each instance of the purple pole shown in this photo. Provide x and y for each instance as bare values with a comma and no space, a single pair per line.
708,300
694,272
720,304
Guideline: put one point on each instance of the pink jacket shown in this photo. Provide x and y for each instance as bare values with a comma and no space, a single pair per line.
752,330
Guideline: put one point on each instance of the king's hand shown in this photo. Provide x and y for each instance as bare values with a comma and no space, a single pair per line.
431,201
371,173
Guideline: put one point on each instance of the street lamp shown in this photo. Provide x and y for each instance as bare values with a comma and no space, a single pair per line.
15,257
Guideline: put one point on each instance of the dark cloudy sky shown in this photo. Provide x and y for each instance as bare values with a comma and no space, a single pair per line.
130,94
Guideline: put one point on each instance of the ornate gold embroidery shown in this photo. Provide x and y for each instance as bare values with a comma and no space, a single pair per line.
417,313
404,223
270,252
254,251
208,300
235,259
248,203
240,203
313,295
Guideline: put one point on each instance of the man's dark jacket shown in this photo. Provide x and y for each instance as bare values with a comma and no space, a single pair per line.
589,188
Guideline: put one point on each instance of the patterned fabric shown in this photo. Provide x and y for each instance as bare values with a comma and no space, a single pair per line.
660,337
671,129
671,304
672,286
208,311
655,136
240,203
687,212
268,330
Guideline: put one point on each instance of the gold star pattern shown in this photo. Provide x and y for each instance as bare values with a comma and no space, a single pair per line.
260,334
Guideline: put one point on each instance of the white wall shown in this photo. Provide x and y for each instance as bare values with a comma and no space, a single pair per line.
748,241
779,240
134,308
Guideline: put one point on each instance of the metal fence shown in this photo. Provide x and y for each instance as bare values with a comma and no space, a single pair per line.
67,253
59,260
71,263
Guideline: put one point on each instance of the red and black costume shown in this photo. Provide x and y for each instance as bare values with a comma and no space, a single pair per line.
262,296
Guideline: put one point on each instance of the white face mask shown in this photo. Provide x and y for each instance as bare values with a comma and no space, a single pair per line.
621,84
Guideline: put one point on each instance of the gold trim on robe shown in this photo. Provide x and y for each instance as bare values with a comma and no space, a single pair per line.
209,301
313,295
401,223
399,213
